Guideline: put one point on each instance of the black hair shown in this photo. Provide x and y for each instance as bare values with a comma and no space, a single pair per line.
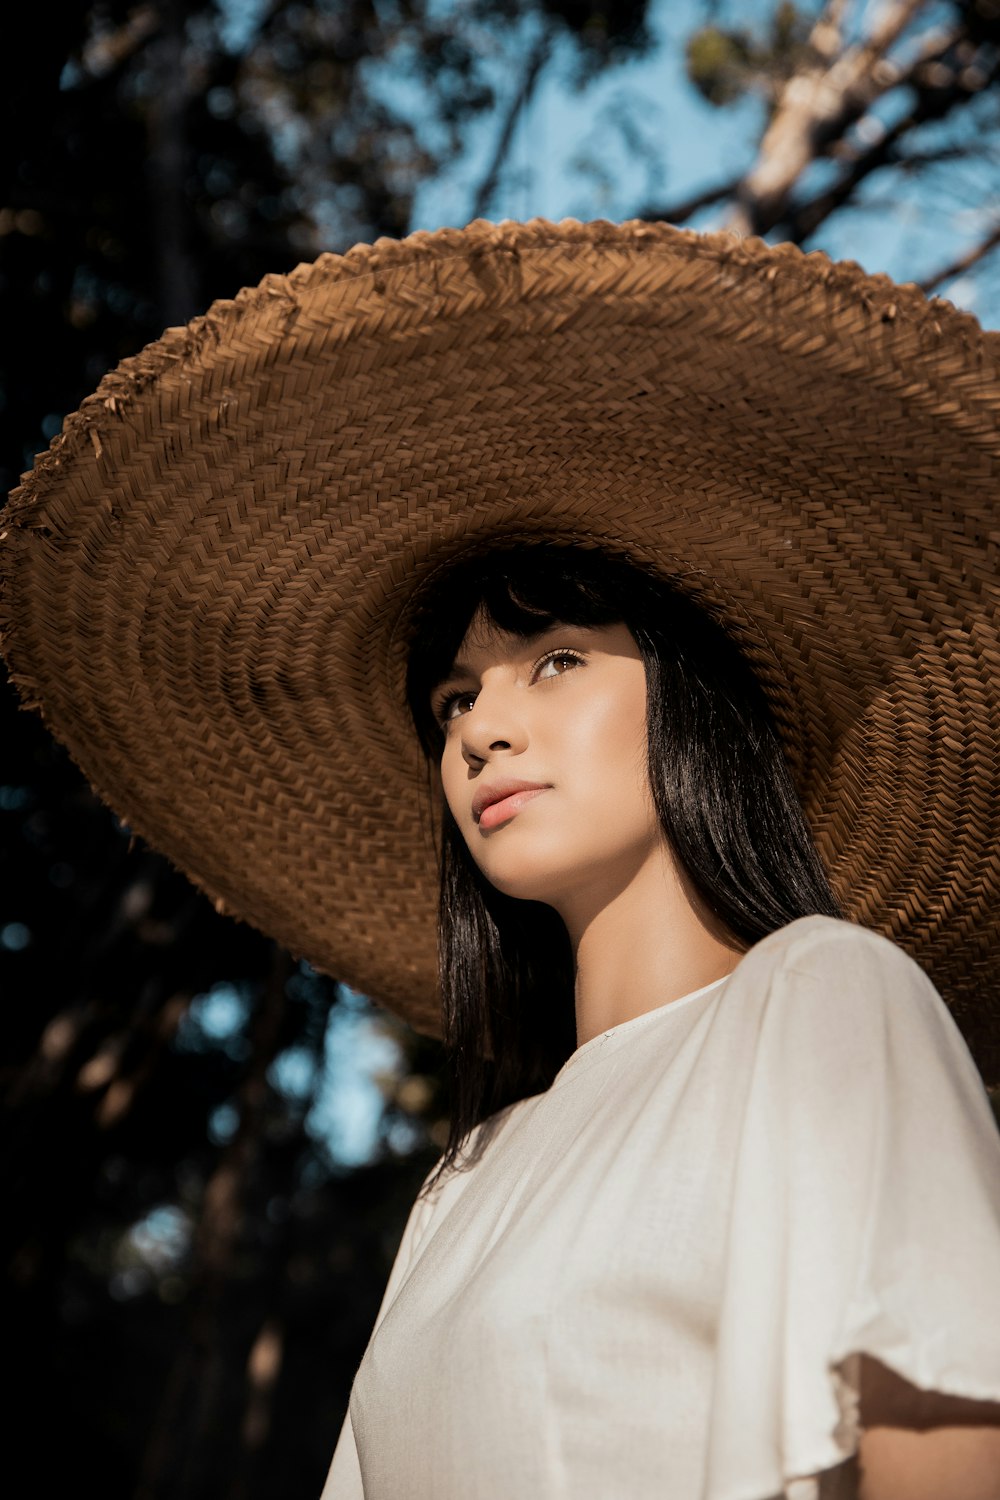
721,787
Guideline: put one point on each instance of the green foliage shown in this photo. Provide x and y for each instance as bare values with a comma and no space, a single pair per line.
605,31
788,28
724,63
720,63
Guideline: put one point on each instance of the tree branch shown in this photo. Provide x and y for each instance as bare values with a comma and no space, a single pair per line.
488,186
934,100
167,168
964,262
104,51
817,105
679,213
826,38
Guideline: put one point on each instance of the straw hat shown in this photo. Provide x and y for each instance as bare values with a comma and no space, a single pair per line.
210,578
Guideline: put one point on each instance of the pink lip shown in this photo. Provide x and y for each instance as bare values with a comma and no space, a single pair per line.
494,804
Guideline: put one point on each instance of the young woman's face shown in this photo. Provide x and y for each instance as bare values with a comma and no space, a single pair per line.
544,762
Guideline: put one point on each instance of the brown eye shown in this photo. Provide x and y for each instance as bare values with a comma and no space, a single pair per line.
557,663
454,706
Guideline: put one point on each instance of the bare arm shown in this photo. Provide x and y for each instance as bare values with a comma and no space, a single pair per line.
922,1445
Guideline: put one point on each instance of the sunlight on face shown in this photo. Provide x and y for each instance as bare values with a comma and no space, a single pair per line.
554,727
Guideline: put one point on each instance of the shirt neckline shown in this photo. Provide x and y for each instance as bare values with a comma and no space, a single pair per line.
636,1023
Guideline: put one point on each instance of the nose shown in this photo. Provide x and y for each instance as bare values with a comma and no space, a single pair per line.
492,727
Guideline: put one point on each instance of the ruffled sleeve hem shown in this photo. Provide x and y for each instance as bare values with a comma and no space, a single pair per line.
865,1218
818,1460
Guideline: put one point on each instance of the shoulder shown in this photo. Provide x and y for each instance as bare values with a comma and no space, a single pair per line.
846,1007
836,981
812,939
840,955
838,1022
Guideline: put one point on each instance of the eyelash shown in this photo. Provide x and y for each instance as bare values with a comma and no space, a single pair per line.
441,711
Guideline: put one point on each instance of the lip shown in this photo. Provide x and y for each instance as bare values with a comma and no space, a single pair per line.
500,791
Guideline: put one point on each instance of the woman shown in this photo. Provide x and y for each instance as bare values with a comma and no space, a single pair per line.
727,1167
651,1276
687,785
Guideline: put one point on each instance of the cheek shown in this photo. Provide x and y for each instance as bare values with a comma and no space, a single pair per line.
452,772
612,745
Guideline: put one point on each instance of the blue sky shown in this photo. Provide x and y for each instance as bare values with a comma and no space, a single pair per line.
920,228
571,154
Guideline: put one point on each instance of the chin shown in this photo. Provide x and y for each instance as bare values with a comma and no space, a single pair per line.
520,884
524,878
537,875
556,872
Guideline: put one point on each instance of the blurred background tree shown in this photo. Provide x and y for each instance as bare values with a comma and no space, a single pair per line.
209,1149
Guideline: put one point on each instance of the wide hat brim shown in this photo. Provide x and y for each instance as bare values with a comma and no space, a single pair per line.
209,580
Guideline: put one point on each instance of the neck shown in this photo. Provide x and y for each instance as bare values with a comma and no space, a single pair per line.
640,948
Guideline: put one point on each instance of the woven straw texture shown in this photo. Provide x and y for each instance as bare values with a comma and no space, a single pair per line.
209,579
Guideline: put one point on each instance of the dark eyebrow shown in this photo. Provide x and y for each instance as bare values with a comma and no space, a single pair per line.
461,668
457,669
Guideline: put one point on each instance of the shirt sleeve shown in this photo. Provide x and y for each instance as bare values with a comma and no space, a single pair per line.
344,1482
866,1214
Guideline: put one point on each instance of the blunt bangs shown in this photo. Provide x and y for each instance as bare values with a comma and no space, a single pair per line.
521,590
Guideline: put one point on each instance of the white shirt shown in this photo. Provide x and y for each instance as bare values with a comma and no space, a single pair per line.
657,1278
